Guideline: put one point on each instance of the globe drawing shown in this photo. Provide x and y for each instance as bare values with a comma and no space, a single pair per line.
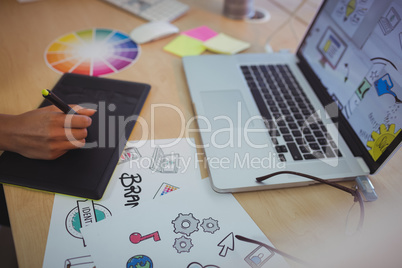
139,261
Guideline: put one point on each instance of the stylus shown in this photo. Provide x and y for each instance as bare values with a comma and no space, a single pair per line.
57,102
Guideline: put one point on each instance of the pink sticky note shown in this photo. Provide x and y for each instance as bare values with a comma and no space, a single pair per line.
202,33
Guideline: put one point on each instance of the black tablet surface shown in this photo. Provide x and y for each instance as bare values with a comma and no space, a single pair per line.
83,172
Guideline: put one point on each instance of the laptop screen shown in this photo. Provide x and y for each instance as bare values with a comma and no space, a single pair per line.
355,49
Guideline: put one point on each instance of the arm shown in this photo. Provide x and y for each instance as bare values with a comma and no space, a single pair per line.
44,133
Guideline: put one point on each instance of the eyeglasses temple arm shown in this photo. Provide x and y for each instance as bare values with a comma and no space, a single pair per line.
341,187
245,239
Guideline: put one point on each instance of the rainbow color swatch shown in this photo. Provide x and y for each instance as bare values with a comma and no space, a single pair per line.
165,188
168,188
94,52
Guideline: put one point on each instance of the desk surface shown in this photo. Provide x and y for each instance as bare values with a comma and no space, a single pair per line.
308,222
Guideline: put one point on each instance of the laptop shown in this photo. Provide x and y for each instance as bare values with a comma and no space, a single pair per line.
332,110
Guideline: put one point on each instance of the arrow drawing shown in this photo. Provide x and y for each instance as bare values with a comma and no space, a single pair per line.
226,244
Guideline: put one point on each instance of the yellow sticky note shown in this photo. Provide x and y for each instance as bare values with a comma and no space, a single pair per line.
225,44
185,46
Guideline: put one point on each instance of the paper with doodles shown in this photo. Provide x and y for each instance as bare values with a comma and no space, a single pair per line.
148,170
194,228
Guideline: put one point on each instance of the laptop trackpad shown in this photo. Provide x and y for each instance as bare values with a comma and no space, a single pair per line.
228,124
225,109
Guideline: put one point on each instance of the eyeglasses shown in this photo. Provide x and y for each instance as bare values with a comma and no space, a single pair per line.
354,192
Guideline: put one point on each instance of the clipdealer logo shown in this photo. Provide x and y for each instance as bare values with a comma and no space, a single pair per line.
111,129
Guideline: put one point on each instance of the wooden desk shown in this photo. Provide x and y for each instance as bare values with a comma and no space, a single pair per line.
307,222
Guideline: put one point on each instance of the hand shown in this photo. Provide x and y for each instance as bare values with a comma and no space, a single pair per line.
44,133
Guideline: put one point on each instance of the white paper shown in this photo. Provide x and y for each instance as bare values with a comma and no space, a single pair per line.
194,228
132,184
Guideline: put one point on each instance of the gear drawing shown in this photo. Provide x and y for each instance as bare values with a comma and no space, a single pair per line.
185,224
182,244
210,225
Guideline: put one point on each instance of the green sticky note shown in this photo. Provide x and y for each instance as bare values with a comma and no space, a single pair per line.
225,44
185,46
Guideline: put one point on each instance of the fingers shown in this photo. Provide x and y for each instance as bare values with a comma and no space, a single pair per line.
76,134
82,118
77,108
67,127
83,111
77,121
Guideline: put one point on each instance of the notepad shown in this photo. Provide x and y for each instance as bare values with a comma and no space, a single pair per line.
225,44
184,45
202,33
195,41
83,172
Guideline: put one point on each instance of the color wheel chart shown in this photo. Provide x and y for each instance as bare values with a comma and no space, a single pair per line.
94,52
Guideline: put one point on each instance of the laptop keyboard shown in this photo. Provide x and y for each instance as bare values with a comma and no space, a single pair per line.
290,118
